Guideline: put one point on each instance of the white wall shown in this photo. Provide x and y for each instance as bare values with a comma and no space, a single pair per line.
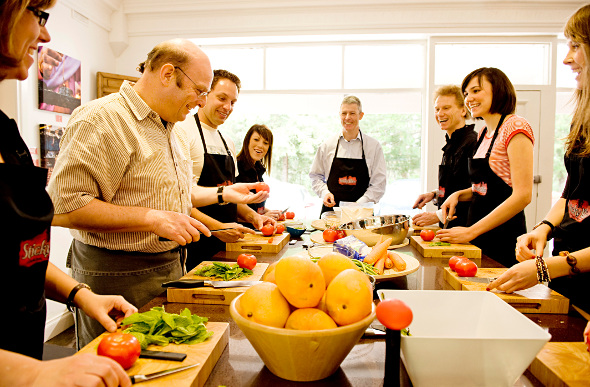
80,38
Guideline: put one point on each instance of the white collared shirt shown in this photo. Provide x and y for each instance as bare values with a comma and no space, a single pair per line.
374,157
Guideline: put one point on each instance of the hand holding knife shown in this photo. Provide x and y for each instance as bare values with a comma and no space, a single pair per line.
164,239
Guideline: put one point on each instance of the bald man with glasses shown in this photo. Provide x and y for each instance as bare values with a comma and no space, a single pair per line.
123,181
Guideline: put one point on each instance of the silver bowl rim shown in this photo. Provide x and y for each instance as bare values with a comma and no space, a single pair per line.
359,224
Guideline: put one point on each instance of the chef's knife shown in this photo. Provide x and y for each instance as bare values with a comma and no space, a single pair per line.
161,355
144,378
482,280
164,239
190,283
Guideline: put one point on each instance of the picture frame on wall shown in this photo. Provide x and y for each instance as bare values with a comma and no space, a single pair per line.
49,136
60,83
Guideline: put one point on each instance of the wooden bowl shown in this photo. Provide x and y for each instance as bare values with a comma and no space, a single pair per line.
301,356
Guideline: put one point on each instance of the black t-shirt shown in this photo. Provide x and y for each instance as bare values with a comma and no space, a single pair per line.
26,212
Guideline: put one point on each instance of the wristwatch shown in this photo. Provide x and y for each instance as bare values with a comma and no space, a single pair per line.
220,195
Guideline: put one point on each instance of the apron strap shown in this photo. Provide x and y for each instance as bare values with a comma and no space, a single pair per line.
338,145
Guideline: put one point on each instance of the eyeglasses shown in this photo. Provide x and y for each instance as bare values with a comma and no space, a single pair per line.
200,94
42,15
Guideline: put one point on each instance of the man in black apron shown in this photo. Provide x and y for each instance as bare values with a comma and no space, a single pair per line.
355,171
450,113
218,170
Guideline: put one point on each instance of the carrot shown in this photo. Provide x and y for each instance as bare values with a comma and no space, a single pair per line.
378,251
381,239
379,265
398,261
388,262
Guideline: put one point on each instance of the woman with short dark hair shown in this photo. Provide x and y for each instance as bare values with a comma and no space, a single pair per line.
501,170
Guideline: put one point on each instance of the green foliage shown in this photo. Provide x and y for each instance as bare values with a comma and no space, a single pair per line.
223,271
158,327
297,138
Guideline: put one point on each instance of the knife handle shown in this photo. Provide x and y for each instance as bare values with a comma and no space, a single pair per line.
184,284
161,355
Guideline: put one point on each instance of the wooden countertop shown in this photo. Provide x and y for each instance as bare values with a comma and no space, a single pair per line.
240,365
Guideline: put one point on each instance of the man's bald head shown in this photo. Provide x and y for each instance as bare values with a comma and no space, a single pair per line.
177,52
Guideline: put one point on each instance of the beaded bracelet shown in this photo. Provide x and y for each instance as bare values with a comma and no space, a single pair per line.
542,271
572,261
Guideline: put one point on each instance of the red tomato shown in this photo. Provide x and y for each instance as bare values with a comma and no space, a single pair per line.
282,216
290,215
246,261
394,314
427,235
453,261
280,228
267,230
340,234
123,348
466,268
330,235
588,342
262,186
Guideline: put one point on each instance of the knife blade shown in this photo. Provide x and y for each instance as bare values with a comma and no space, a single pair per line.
164,239
144,378
194,283
482,280
161,355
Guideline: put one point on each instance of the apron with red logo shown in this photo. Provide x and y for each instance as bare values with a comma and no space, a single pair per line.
489,191
348,179
572,233
26,212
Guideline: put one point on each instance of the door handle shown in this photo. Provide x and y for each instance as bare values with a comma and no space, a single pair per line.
537,179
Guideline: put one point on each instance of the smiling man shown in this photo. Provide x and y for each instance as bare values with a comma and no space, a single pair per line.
349,166
450,113
214,165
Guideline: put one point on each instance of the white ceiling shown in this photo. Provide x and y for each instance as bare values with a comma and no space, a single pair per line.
221,18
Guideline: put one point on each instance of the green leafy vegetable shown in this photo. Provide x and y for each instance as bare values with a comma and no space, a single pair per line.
406,332
223,270
366,268
439,243
156,326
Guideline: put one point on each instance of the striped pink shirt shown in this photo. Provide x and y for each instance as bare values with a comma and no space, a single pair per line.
499,162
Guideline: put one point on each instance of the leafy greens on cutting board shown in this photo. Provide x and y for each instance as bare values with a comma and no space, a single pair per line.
159,327
223,270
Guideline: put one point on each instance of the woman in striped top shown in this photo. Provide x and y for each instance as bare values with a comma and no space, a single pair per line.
501,170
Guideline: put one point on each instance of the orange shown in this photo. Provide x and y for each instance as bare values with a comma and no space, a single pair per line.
322,305
310,319
269,274
349,297
264,304
300,280
333,263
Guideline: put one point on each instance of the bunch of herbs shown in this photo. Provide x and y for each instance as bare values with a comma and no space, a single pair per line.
223,271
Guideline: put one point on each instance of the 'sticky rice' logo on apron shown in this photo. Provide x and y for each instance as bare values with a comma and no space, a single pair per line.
578,209
441,192
34,250
347,180
480,188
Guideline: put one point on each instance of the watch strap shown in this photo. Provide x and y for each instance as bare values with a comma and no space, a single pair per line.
70,300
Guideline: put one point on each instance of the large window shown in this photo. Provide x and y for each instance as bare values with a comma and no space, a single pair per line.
296,91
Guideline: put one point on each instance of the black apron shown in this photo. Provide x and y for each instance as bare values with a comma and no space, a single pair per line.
448,182
26,212
572,233
217,170
252,174
489,192
348,179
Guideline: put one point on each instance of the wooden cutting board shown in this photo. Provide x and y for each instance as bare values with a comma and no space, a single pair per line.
538,299
259,243
562,364
206,354
209,295
467,250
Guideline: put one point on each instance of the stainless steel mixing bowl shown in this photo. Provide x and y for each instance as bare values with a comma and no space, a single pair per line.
369,230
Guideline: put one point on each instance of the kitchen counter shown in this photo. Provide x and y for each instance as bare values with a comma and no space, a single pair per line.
240,365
